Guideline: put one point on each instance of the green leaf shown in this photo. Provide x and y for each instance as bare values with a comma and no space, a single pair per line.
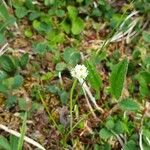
105,134
79,1
130,145
117,78
3,12
24,60
53,89
129,104
146,36
144,80
71,56
4,144
8,63
3,75
77,26
11,101
93,76
40,48
60,13
60,66
28,33
72,12
64,97
47,76
110,124
23,131
2,38
13,142
66,26
22,103
17,81
120,127
21,12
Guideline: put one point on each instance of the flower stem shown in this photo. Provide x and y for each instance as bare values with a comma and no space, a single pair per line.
47,110
71,103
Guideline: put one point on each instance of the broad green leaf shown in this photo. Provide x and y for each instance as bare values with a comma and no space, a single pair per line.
21,12
4,144
72,12
144,80
130,145
24,60
129,104
3,75
17,81
64,97
77,26
56,37
3,12
11,101
60,13
28,33
117,78
12,82
47,76
60,66
40,48
7,63
71,56
120,127
146,36
13,142
53,89
22,103
2,38
66,26
110,124
93,76
79,1
105,134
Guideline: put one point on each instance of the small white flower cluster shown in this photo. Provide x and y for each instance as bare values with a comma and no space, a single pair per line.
80,72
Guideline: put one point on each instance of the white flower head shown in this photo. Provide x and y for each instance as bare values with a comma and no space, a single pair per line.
80,72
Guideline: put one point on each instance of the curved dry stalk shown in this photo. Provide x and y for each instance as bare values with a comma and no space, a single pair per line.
88,103
2,50
17,134
86,88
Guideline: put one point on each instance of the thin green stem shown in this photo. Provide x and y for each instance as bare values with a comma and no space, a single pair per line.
71,104
47,110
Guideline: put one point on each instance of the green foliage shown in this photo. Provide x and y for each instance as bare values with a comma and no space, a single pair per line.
129,104
4,144
146,37
56,34
8,145
117,77
144,81
7,19
105,134
71,56
41,47
130,145
21,12
23,131
8,64
24,60
77,24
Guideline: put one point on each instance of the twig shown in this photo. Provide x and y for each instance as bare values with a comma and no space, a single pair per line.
2,50
17,134
140,140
